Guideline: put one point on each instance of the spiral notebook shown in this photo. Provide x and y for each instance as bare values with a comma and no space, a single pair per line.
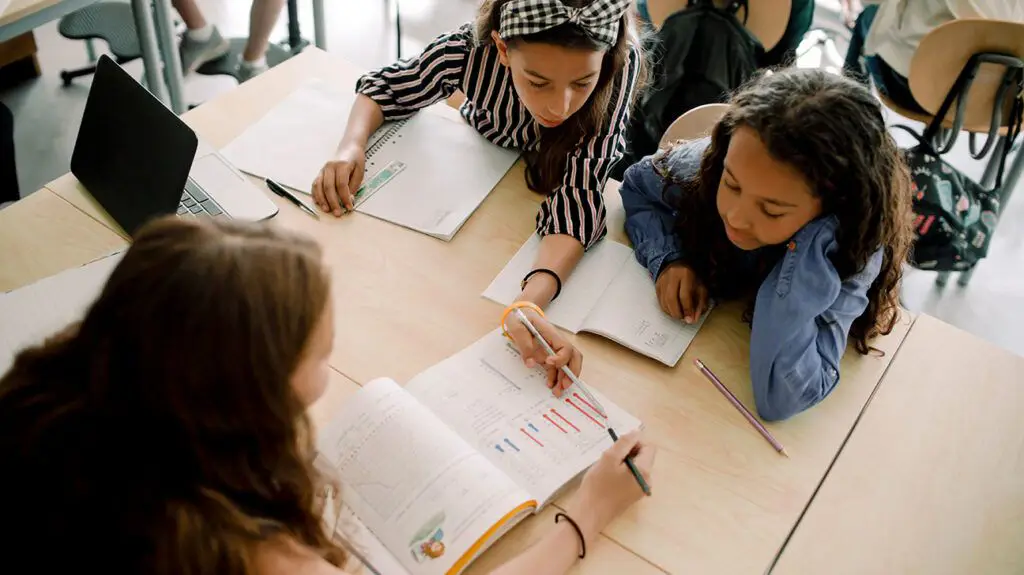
610,294
447,168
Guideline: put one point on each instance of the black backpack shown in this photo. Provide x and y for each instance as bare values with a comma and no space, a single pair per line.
954,216
700,55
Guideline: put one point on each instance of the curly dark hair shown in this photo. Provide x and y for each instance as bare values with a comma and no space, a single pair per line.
830,128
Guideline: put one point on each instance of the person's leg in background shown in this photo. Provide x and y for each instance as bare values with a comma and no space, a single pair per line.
8,168
859,33
202,41
801,15
262,17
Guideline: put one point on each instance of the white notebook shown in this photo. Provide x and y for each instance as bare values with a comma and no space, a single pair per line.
449,168
435,472
37,311
610,294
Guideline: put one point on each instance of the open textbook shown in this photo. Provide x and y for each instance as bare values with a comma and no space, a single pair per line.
435,472
442,168
37,311
609,294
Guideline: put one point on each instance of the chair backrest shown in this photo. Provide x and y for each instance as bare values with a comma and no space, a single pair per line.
767,20
694,123
944,51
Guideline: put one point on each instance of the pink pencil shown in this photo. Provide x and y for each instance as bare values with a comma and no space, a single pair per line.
739,406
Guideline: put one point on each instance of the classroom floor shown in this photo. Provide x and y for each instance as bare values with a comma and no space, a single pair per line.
47,117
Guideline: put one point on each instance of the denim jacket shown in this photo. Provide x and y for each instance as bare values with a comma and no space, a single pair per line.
803,310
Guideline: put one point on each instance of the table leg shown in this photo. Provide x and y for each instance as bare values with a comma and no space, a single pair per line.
150,51
319,26
169,52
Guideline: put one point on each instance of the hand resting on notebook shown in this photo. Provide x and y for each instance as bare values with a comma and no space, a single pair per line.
334,187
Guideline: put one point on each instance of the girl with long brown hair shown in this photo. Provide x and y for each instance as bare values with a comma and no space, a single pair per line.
553,78
167,431
800,202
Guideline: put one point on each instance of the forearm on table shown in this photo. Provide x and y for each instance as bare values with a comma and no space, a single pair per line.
364,119
555,553
559,253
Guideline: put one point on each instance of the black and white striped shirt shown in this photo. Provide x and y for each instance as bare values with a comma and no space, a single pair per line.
455,61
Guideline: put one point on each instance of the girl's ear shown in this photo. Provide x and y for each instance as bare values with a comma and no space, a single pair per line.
501,46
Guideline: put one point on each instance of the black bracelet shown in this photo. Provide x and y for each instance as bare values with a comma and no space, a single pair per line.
583,543
558,280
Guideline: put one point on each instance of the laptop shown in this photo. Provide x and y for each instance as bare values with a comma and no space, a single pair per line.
139,160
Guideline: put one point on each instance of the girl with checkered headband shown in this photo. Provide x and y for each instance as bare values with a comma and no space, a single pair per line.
555,79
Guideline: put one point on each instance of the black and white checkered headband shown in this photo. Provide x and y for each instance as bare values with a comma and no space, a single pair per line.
599,19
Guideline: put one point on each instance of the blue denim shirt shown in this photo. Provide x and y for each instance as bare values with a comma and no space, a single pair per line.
803,310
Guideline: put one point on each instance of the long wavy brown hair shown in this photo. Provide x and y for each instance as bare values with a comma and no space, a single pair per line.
545,166
831,129
161,434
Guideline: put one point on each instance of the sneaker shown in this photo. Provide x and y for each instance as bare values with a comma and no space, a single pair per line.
246,72
194,53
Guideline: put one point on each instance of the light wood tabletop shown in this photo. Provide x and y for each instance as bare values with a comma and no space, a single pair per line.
932,478
724,500
43,234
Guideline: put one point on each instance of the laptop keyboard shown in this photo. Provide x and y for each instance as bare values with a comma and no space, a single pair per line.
195,202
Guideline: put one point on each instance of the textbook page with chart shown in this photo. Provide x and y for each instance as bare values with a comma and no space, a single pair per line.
437,471
609,294
448,169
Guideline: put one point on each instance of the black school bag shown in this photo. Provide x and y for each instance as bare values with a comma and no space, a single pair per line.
954,216
699,56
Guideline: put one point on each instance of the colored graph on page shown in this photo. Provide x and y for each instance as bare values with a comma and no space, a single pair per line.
506,410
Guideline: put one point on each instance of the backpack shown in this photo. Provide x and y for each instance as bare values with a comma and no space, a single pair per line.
954,216
699,56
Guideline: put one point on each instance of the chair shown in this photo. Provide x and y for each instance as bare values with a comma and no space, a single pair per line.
695,123
113,23
767,19
939,59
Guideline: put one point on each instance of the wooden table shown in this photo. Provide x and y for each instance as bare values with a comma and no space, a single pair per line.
725,501
932,478
43,234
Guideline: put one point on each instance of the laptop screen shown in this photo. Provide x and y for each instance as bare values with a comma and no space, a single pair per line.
133,154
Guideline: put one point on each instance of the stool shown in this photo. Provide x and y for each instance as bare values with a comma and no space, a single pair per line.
109,21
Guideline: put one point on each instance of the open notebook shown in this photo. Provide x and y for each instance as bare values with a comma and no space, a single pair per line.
436,471
609,294
36,311
449,169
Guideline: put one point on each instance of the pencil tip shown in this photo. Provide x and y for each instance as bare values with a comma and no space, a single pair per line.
783,451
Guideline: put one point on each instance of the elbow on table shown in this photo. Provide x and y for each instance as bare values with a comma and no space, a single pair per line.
778,398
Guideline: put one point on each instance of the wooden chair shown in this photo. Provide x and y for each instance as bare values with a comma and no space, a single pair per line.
695,123
939,59
767,20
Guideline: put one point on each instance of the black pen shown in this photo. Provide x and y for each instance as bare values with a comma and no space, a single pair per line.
632,466
284,193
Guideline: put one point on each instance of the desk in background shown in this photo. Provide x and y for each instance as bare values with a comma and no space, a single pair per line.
725,501
932,478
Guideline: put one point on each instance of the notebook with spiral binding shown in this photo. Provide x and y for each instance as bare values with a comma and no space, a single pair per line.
298,136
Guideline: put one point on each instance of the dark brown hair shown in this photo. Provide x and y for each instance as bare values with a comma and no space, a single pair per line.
162,433
831,129
545,166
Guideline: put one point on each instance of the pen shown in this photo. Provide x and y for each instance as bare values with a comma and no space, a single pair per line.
280,190
740,407
583,388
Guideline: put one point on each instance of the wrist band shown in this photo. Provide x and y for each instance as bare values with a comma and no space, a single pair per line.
515,306
579,532
558,280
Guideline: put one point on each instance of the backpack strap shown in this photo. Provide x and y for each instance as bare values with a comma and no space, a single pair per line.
1014,77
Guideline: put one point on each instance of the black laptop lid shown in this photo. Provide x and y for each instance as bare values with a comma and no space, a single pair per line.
132,154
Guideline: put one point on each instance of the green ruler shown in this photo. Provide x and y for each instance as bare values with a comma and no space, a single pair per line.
377,181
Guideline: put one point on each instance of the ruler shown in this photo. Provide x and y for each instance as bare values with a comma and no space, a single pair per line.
377,181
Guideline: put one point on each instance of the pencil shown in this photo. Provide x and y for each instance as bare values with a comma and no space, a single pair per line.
740,407
582,387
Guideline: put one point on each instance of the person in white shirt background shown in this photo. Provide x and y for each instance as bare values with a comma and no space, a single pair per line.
888,32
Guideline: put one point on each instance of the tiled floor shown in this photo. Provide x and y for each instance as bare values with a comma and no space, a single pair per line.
47,117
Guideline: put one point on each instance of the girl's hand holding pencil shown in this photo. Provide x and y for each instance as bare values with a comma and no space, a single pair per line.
534,354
